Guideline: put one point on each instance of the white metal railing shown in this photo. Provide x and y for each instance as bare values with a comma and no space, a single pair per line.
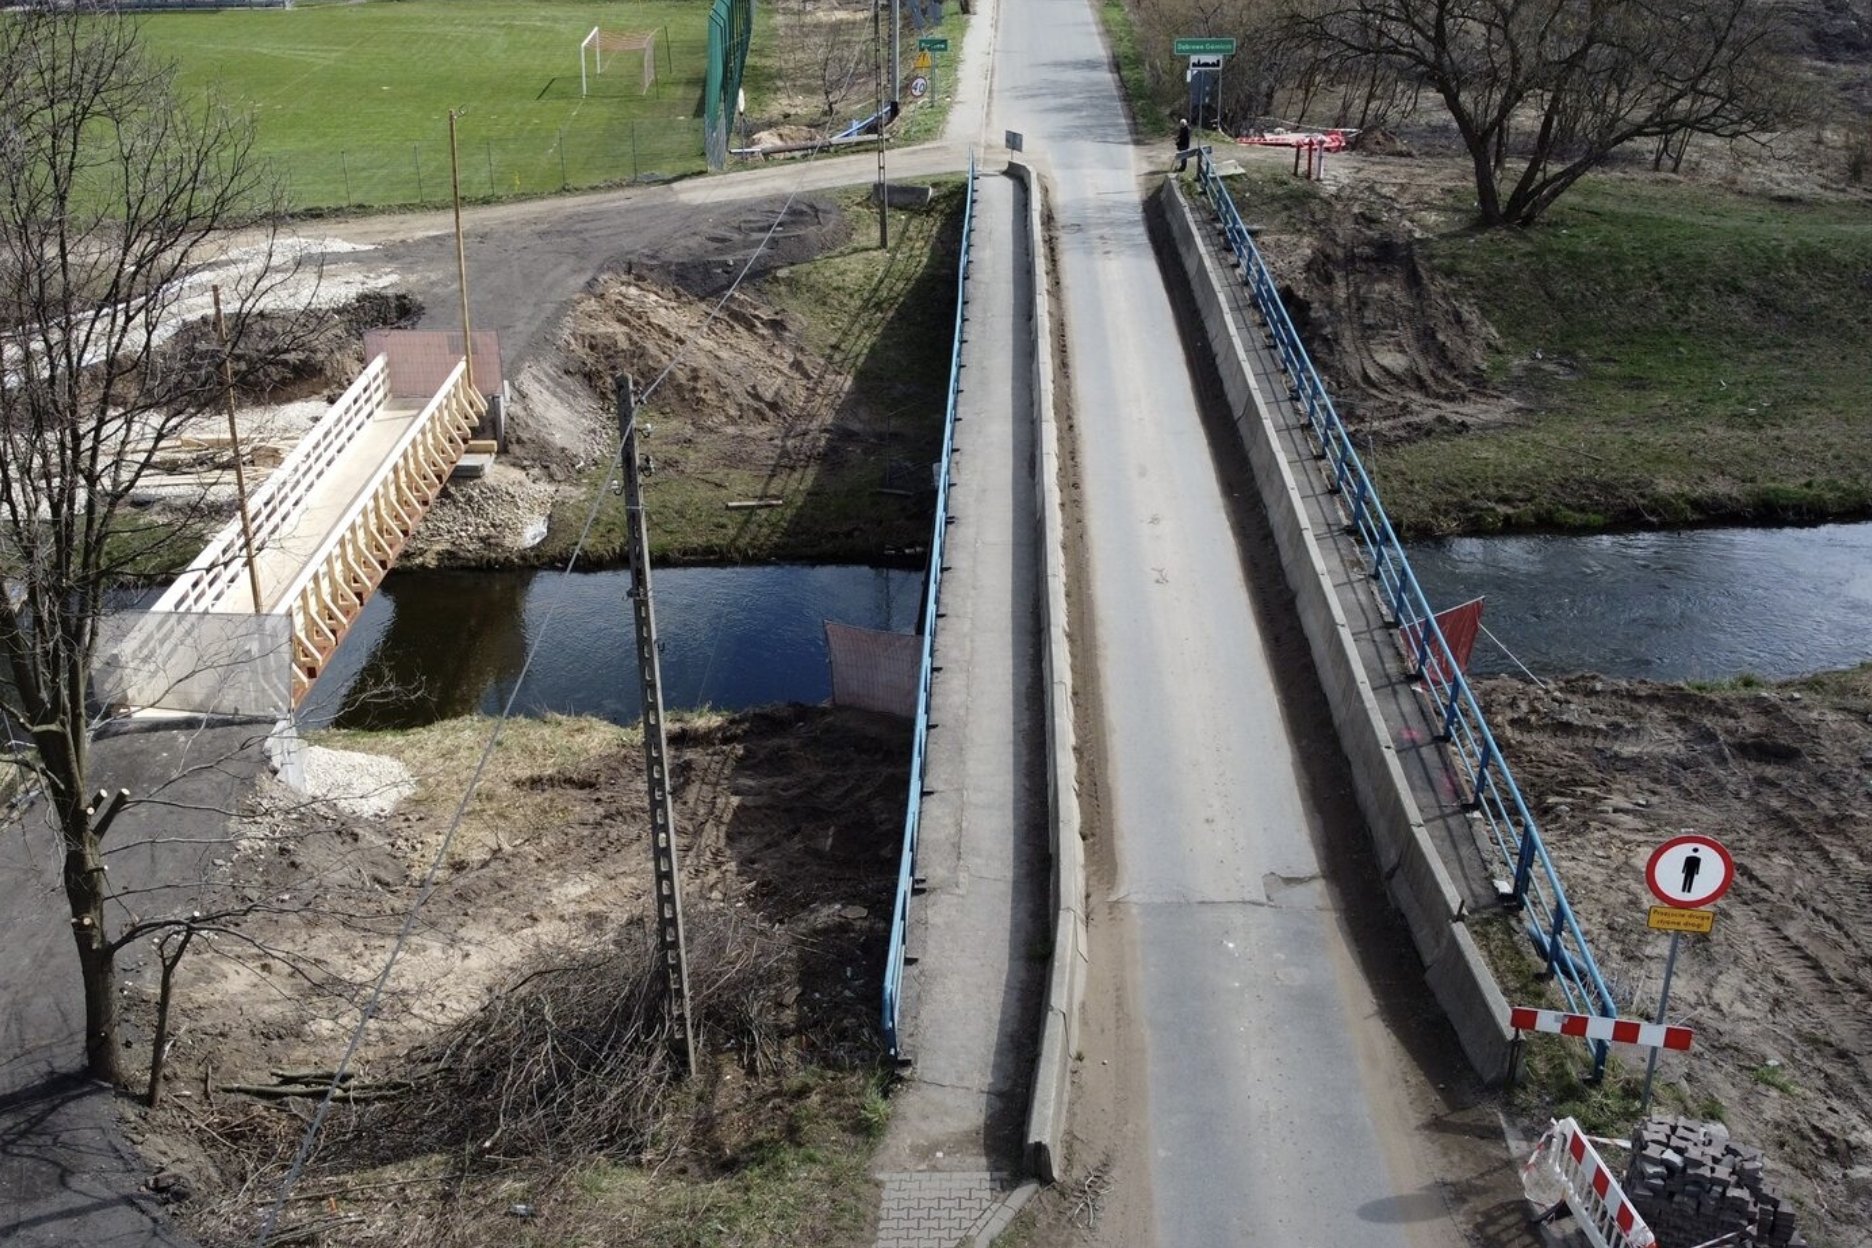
279,501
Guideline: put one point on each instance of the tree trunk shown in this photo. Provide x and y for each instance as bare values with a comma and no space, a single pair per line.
97,962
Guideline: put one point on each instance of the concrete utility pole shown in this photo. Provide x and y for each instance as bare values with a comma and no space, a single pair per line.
896,53
656,745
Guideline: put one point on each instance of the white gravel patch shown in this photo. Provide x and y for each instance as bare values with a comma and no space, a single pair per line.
366,786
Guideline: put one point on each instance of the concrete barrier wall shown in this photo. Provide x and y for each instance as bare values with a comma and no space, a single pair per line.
1415,878
1059,1030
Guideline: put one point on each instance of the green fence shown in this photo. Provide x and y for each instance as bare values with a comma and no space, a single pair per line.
730,32
393,174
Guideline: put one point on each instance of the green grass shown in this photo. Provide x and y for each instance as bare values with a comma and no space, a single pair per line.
1702,357
804,1179
352,101
1121,33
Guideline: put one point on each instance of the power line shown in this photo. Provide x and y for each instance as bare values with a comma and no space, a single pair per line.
342,1071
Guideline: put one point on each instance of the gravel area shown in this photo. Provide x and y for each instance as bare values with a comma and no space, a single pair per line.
365,786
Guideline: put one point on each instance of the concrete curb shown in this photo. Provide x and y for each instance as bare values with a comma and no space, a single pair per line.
1059,1031
1415,878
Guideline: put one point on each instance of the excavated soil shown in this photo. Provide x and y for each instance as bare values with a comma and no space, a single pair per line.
1778,993
788,824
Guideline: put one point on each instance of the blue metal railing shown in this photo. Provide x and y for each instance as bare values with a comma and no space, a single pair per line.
1552,925
913,810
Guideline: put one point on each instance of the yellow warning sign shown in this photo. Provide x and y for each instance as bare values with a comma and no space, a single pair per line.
922,64
1671,919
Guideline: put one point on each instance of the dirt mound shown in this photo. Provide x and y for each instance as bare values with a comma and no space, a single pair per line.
749,388
278,359
1388,334
1378,141
1778,992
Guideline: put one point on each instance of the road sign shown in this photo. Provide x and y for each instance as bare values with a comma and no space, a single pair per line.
922,63
1593,1027
1205,62
933,43
1689,871
1671,919
1204,47
919,87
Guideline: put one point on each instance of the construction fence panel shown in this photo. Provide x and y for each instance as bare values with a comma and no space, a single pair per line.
873,670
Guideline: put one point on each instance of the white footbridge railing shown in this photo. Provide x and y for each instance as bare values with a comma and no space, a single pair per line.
327,526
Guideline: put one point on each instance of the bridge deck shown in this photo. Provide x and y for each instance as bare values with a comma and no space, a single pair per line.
282,559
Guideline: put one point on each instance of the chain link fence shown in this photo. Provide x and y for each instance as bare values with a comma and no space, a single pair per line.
384,175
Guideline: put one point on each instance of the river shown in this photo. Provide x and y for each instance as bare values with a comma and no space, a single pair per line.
431,645
1695,604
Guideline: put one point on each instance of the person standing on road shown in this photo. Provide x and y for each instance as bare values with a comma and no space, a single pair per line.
1182,143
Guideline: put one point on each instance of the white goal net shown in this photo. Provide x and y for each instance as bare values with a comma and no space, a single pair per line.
602,47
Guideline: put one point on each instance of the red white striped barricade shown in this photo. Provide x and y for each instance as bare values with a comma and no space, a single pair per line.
1566,1160
1593,1027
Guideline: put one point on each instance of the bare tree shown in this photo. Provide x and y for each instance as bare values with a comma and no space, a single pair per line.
1543,91
114,194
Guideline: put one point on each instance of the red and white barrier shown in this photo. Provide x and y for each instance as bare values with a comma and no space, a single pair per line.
1598,1204
1592,1027
1321,140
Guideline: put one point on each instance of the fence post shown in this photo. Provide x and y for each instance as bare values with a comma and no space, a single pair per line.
490,159
416,158
563,181
1524,864
346,166
634,170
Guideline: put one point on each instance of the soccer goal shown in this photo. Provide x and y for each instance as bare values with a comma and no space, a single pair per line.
602,47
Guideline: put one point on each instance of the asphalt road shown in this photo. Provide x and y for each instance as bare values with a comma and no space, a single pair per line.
1270,1118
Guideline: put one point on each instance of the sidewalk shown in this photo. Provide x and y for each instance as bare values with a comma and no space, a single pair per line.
66,1176
972,1000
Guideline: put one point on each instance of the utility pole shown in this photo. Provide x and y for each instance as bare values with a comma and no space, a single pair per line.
461,251
883,181
896,53
668,893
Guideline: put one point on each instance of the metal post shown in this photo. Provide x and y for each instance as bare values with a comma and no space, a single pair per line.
461,254
416,158
240,473
488,144
346,166
1670,966
896,53
883,177
656,744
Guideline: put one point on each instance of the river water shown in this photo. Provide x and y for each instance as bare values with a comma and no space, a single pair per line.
431,645
1696,604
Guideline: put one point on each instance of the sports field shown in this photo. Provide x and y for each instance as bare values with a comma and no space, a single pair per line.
352,100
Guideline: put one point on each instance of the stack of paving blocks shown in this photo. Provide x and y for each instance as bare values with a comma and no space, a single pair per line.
1692,1186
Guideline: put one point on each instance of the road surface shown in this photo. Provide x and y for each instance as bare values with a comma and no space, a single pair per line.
1269,1108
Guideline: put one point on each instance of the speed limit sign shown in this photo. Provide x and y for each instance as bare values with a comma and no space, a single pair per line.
919,87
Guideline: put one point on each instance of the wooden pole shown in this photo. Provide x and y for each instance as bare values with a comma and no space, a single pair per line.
240,472
461,253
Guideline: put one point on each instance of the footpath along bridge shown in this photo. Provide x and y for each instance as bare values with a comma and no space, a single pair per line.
249,625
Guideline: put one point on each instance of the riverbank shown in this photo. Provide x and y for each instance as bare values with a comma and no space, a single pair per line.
1780,773
1658,351
787,819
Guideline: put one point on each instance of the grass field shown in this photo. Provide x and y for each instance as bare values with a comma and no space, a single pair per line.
352,101
1679,352
1704,359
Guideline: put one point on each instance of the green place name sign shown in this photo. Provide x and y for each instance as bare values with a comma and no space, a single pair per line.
1205,47
932,43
